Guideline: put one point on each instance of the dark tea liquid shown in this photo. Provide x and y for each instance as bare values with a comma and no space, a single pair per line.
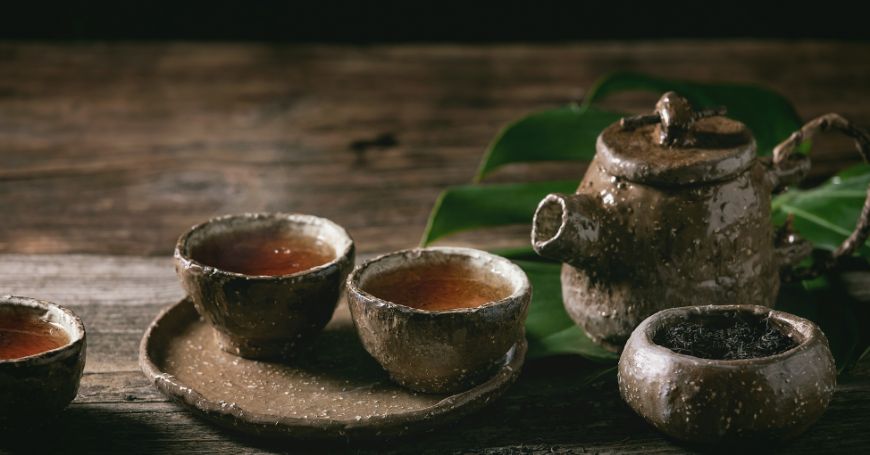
22,335
434,288
265,252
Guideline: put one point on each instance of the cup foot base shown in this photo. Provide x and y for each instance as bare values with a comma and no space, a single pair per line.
441,385
258,349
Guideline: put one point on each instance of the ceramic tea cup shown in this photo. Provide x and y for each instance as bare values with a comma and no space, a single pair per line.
267,282
762,398
439,319
36,387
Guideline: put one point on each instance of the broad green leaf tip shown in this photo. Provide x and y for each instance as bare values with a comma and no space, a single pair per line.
487,164
467,207
436,209
484,167
566,133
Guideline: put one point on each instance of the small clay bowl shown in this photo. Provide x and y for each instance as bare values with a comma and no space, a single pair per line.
36,388
265,316
440,351
761,399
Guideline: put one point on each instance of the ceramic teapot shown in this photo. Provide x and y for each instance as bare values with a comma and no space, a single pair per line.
674,210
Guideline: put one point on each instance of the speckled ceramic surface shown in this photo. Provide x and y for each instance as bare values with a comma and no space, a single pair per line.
771,398
261,316
440,351
721,148
35,388
336,391
653,227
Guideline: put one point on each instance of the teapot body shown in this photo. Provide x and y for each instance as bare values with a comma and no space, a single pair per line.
659,247
674,210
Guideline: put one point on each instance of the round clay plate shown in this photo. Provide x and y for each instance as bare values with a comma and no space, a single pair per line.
335,391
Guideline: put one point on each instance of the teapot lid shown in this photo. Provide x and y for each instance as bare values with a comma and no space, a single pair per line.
676,145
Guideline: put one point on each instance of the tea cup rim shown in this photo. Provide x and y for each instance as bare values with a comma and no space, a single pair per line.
518,279
181,244
76,331
808,330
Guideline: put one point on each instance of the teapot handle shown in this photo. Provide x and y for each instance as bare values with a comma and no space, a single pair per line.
789,168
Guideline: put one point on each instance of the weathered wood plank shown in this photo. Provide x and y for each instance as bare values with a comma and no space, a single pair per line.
544,411
118,148
551,408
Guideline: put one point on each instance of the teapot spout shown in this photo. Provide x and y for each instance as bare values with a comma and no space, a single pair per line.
566,229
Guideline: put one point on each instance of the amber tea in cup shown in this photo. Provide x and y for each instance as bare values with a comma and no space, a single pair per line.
435,287
267,282
268,251
27,334
439,319
42,356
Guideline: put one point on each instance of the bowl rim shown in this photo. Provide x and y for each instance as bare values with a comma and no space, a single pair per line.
806,328
44,357
187,261
520,281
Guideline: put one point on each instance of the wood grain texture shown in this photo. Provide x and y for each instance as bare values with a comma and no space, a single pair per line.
550,409
116,149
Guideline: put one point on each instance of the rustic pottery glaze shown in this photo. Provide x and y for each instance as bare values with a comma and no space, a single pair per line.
698,400
334,391
265,316
35,388
440,351
671,212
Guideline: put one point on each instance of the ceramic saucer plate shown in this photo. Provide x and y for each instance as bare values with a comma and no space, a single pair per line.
335,391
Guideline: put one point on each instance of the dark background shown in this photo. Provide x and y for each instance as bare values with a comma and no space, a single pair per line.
425,21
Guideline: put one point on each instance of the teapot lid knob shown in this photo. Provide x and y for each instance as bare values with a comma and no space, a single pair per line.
675,117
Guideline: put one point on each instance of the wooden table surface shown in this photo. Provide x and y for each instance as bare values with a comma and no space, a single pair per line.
110,151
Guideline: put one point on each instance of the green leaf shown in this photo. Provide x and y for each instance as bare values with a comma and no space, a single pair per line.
572,340
520,253
466,207
769,115
548,328
823,215
827,214
567,133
